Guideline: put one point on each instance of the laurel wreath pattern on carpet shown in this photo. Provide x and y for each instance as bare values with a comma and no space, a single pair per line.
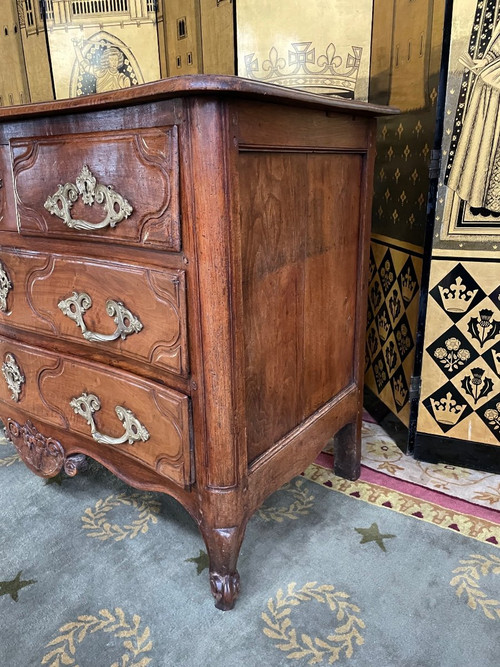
96,521
6,461
136,641
298,645
300,505
467,582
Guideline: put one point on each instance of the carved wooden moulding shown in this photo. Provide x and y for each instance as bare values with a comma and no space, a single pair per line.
45,456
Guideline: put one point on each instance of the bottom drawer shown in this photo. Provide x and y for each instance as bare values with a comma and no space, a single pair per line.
116,409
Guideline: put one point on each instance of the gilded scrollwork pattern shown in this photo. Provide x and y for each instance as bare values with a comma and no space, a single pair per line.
78,303
5,287
85,406
116,207
13,376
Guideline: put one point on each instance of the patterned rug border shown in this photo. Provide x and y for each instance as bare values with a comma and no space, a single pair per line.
466,524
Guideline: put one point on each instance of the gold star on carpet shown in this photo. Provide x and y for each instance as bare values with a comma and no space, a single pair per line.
13,586
201,561
373,534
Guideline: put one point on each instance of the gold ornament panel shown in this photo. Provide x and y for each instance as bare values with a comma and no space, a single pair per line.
393,298
460,395
322,46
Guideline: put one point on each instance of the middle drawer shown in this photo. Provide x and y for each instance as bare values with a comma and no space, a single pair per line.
126,310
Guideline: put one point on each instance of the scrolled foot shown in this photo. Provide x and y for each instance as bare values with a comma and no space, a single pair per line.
75,464
225,589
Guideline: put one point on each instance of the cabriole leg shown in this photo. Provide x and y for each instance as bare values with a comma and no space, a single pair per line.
223,546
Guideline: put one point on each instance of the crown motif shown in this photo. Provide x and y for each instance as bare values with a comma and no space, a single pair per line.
383,326
457,298
400,391
446,410
407,286
323,74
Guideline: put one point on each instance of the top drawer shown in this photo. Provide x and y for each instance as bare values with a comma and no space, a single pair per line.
118,187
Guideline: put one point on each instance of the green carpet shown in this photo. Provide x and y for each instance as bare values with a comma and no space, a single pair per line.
96,574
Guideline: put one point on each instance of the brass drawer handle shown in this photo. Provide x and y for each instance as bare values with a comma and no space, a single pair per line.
116,207
75,306
13,376
5,287
85,406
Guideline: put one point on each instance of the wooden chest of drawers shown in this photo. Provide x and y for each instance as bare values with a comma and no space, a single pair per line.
182,290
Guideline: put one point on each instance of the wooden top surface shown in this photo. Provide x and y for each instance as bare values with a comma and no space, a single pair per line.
192,85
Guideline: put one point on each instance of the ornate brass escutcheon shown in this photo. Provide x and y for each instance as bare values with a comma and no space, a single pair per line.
60,203
5,287
85,406
75,306
13,376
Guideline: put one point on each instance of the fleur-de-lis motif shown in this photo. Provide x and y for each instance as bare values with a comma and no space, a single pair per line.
330,59
274,63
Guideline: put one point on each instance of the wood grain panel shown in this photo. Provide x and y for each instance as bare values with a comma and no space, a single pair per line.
141,165
260,125
52,381
157,297
331,276
300,242
273,242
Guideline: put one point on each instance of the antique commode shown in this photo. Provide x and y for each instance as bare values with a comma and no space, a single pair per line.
182,292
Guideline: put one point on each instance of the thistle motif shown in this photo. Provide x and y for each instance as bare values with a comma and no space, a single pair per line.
484,327
476,385
376,295
372,341
391,356
395,305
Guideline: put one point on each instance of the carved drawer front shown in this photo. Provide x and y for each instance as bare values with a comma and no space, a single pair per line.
119,187
118,309
112,408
